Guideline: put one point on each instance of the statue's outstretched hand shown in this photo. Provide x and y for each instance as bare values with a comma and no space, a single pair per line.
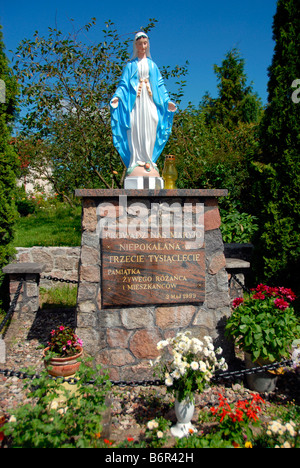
114,102
171,107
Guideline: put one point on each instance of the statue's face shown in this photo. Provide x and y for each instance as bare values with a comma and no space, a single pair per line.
142,46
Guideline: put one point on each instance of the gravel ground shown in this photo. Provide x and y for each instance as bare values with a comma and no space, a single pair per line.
132,407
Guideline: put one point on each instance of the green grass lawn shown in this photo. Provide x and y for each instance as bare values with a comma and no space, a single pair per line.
50,228
60,296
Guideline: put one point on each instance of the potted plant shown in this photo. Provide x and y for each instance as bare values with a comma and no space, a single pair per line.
62,353
264,326
186,365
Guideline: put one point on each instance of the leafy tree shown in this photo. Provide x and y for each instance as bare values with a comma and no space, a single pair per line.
8,158
67,86
277,171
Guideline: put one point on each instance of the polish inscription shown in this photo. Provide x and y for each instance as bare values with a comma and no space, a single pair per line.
147,271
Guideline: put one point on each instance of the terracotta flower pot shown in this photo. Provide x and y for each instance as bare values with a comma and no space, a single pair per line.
63,367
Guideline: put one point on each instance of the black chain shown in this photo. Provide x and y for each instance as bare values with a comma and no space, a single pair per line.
61,280
255,370
219,376
233,276
12,305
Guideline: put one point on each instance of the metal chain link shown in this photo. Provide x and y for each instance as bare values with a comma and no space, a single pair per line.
61,280
236,279
140,383
255,370
219,376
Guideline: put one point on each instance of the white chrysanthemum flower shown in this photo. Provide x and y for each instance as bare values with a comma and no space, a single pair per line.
152,425
224,366
275,426
194,365
162,344
290,429
184,346
176,374
196,345
208,339
169,381
202,366
182,369
286,445
160,434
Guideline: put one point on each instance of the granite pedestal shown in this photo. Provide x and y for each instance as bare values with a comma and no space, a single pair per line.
140,283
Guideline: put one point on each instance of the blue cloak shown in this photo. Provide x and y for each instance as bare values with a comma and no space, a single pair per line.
120,116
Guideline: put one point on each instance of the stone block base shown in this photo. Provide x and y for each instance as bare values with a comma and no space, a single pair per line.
28,301
124,338
134,183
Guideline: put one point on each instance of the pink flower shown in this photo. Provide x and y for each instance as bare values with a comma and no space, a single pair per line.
61,328
281,304
288,293
69,343
79,342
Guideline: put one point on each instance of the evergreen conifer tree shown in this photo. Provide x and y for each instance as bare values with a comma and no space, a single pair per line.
236,101
8,158
278,170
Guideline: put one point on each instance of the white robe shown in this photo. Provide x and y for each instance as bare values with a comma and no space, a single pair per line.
143,122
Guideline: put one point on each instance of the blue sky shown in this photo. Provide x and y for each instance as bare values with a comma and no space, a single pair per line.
200,31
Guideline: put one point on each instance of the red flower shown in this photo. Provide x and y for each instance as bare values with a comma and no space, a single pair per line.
107,442
257,398
130,439
261,288
239,415
242,404
237,301
259,295
224,413
281,304
252,415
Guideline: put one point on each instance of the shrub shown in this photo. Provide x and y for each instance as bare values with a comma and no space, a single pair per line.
62,417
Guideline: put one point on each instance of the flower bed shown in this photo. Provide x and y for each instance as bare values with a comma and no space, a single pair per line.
141,416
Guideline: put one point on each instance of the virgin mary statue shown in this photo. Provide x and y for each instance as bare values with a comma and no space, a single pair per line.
141,112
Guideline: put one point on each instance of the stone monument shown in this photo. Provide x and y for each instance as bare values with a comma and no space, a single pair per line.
152,264
152,259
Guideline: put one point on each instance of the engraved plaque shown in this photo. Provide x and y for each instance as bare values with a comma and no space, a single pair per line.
151,271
